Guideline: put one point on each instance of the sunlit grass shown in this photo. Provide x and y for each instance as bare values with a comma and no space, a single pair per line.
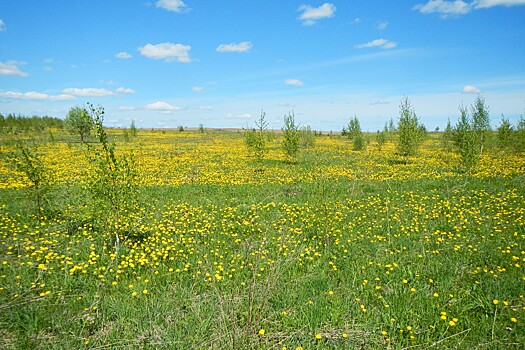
341,250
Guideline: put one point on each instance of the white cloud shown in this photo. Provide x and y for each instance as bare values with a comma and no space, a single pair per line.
96,92
171,5
382,43
123,55
244,46
197,89
382,25
240,116
455,8
11,68
123,90
2,26
294,82
469,89
167,51
444,8
356,20
479,4
310,15
35,96
161,106
87,92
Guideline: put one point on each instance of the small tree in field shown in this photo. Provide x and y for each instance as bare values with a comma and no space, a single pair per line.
78,121
409,129
465,140
355,134
505,134
519,138
481,123
255,139
291,137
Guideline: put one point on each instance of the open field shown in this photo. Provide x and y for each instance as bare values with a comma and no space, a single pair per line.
339,250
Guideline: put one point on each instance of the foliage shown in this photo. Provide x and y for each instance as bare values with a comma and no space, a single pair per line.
256,139
465,139
307,136
78,121
380,139
409,129
519,142
133,129
114,182
355,134
20,123
506,135
481,123
28,161
448,136
291,137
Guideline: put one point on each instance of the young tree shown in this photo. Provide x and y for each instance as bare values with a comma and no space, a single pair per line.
481,122
505,134
465,140
255,139
78,121
448,136
519,141
291,137
409,129
355,134
380,139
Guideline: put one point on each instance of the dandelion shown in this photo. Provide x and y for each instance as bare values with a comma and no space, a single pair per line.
344,335
262,331
513,319
318,336
495,301
145,291
134,294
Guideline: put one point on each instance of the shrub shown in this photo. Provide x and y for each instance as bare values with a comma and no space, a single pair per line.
466,141
409,129
291,137
78,121
255,139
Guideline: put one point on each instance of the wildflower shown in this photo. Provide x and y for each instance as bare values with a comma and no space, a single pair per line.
318,336
344,335
495,301
262,331
513,319
145,291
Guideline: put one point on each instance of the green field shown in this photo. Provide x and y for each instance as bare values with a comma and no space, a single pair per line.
210,248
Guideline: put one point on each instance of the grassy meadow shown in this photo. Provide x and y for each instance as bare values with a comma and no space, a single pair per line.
341,249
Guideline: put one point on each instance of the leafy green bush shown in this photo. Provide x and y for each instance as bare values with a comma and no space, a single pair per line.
409,129
78,121
291,137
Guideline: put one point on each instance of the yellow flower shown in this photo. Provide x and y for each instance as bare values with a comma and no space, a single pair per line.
513,319
262,331
318,336
134,294
145,291
495,301
451,323
344,335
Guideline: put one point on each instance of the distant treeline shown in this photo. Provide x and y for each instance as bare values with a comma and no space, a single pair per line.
20,123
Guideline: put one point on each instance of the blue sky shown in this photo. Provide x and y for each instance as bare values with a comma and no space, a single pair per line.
220,63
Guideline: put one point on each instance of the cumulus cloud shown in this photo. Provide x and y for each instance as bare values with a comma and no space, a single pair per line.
444,8
480,4
2,25
447,9
11,68
87,92
35,96
470,89
171,5
382,43
310,15
244,46
294,82
126,91
123,55
161,106
167,51
96,92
